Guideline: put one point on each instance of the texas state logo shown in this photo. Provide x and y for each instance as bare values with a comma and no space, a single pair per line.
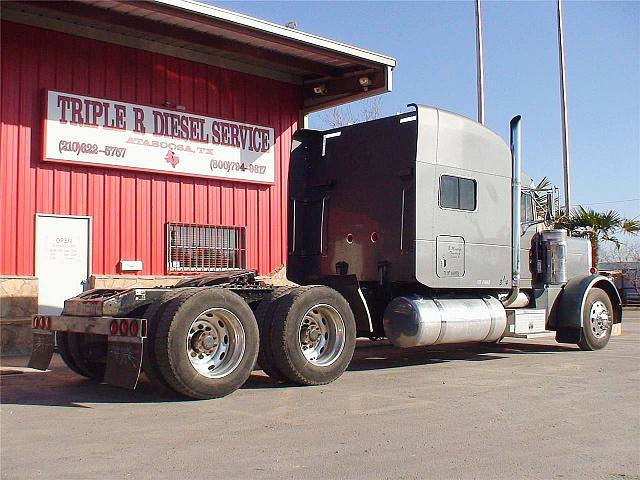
172,158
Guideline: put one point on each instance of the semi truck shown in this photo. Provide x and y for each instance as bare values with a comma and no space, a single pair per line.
420,228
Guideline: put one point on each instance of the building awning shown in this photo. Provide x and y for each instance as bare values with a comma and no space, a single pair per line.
330,72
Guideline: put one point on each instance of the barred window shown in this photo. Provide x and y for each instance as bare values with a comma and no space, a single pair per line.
205,248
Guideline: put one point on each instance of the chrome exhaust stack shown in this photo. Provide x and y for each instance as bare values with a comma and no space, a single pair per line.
515,139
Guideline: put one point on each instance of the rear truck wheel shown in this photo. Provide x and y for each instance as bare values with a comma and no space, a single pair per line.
88,354
149,363
206,343
265,318
62,341
597,320
313,335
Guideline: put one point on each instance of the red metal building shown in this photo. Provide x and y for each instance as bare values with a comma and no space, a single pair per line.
235,77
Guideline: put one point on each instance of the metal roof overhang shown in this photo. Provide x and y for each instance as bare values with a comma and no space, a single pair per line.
331,73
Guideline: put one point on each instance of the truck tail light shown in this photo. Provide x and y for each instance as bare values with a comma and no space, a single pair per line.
124,327
593,270
134,328
113,327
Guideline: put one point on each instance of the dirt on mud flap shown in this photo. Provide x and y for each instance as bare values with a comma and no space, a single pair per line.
43,345
124,361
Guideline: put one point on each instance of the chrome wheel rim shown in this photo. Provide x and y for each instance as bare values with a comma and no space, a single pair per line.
322,335
599,319
215,343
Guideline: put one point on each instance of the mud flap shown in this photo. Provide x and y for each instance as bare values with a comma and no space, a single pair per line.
42,350
124,361
616,329
349,288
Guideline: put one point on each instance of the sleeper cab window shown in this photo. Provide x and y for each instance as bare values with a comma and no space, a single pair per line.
458,193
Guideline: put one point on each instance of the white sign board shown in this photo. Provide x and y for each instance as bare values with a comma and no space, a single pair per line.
62,259
96,131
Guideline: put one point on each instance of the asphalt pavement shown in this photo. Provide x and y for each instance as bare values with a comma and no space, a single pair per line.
519,409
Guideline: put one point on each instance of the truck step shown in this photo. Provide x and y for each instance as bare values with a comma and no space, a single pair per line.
529,336
526,323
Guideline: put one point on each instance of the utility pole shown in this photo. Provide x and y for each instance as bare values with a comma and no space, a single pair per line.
565,117
480,68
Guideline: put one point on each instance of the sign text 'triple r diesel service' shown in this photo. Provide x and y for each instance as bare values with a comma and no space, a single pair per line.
90,130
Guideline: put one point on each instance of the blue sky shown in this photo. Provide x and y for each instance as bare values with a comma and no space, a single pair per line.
434,44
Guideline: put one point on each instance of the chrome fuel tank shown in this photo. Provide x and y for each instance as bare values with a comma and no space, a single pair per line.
413,320
555,254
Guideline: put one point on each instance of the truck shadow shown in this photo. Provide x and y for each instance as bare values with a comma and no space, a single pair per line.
374,355
59,387
62,388
383,355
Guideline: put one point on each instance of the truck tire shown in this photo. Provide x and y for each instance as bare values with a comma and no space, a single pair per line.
79,345
149,363
597,320
62,341
264,317
313,335
206,343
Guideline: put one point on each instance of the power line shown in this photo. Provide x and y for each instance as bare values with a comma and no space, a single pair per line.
612,201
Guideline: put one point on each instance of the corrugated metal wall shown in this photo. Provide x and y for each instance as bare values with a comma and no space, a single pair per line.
130,210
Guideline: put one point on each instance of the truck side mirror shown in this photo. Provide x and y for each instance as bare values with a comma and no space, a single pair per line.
550,214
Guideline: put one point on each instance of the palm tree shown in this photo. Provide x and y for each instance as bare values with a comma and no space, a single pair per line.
540,192
597,226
